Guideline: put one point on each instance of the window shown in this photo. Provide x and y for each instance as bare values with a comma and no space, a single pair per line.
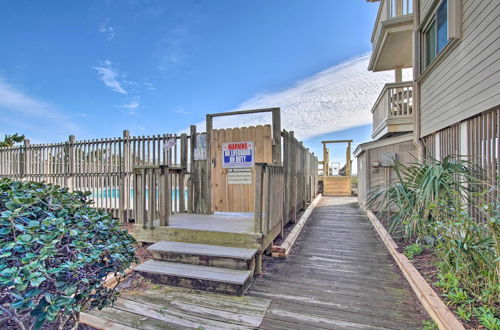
400,8
436,35
442,26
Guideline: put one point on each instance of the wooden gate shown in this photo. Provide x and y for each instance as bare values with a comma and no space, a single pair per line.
226,195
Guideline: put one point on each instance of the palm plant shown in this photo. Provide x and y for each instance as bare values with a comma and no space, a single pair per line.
447,203
413,197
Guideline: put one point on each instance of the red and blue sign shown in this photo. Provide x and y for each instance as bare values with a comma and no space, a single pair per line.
238,154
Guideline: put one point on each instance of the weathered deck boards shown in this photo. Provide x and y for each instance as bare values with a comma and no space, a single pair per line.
338,276
166,307
220,221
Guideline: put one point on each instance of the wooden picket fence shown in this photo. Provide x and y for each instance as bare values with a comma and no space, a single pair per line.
102,166
281,191
301,175
134,176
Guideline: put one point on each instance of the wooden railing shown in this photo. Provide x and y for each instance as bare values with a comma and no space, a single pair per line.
301,175
269,197
160,192
395,102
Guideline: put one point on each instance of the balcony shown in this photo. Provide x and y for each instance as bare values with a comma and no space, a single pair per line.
392,36
393,110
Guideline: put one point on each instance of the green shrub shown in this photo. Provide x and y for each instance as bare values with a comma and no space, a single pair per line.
413,250
487,318
429,325
55,252
464,312
424,188
448,205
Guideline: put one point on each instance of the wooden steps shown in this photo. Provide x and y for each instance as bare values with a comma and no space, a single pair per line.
204,255
337,186
200,266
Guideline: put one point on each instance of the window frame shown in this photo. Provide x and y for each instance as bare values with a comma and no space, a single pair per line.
433,21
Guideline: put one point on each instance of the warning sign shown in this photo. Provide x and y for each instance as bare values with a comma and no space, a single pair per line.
239,176
237,154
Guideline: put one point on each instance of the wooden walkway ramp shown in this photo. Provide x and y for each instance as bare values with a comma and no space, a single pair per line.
339,276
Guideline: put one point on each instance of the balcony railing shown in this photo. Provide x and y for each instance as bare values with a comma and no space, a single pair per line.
390,9
393,110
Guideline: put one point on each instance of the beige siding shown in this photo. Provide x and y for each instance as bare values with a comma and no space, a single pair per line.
425,6
405,153
362,175
467,81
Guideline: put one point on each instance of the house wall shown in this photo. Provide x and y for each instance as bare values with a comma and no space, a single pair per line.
466,80
371,178
425,6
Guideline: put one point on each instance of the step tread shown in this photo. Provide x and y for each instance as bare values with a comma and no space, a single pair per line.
210,273
203,249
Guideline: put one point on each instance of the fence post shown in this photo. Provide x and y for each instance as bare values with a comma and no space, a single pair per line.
348,159
286,176
184,150
193,181
124,189
258,198
26,159
293,175
206,192
70,168
276,148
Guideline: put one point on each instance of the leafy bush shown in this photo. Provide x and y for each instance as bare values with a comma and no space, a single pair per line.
487,318
429,325
448,205
55,252
418,189
413,250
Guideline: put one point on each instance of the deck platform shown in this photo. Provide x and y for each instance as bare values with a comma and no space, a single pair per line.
221,228
338,276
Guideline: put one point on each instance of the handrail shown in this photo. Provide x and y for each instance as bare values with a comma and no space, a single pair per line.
153,198
394,102
390,86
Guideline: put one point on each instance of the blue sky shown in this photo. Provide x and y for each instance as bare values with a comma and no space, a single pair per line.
94,68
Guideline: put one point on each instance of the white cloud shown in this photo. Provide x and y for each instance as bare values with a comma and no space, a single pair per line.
109,76
171,48
335,99
132,106
149,86
107,30
38,120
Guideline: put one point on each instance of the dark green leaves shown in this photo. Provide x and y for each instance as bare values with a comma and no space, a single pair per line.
52,247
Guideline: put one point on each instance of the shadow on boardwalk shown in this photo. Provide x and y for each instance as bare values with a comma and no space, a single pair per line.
339,276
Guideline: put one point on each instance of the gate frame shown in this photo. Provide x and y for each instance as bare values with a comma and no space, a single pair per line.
276,143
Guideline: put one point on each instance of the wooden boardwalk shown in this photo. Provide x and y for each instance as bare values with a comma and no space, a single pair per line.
339,276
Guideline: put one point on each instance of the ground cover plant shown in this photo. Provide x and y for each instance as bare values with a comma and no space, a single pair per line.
446,207
55,252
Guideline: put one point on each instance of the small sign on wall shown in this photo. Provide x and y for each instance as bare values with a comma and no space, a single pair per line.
169,144
200,151
238,154
239,176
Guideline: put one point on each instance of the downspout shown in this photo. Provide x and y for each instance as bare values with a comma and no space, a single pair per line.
416,85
